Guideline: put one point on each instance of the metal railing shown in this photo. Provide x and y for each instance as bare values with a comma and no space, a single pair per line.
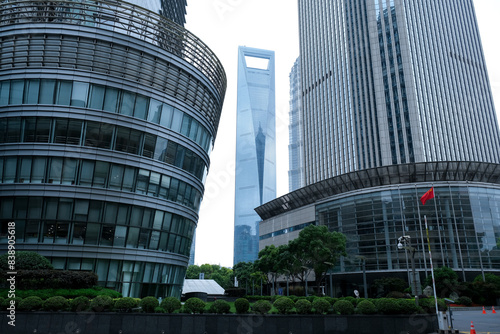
125,18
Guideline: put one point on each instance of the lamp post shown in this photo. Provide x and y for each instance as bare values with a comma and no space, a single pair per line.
365,287
331,265
404,242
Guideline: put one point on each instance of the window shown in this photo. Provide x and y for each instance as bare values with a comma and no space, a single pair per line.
96,97
154,112
79,94
141,106
47,88
111,99
16,92
69,171
31,91
63,92
128,101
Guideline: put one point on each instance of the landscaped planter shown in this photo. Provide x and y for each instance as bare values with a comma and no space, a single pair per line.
143,323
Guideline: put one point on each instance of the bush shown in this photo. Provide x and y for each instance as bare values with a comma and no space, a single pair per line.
343,307
429,305
66,293
262,306
30,304
352,300
321,305
160,309
284,305
387,306
54,279
407,306
365,307
26,260
102,303
79,304
464,300
242,305
170,304
6,302
194,305
303,306
148,304
396,294
220,307
330,300
56,303
125,304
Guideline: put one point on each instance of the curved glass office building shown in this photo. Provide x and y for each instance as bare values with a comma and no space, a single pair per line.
108,113
374,207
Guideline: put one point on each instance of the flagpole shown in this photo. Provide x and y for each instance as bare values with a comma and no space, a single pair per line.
432,269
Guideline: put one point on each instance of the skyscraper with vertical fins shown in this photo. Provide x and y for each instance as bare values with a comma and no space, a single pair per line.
295,146
390,82
255,181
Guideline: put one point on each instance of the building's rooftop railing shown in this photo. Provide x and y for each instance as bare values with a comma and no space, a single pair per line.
125,18
443,171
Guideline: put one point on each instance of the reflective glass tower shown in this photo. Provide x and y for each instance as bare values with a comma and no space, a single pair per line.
295,146
255,181
393,81
108,113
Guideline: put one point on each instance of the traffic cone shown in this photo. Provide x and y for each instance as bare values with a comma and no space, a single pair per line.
493,310
472,330
484,312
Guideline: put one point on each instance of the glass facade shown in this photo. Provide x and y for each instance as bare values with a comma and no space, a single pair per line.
463,223
295,135
105,139
255,180
388,82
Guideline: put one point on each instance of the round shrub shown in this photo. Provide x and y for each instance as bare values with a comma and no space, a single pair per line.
30,304
26,260
464,300
262,306
366,307
56,303
160,309
352,300
220,307
284,305
194,305
343,307
148,304
102,303
396,294
303,306
407,306
321,305
330,300
6,302
242,305
429,305
170,304
387,306
79,304
125,304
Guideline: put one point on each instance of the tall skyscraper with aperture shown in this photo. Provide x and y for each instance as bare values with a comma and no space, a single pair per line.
255,181
108,113
390,82
295,146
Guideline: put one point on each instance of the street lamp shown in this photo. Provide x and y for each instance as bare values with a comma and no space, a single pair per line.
404,242
363,259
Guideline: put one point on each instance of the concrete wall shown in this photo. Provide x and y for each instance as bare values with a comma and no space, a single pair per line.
141,323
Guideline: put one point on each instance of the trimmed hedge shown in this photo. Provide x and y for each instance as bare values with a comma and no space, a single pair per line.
284,305
102,303
366,307
242,305
79,304
30,304
53,279
262,306
26,260
56,303
125,304
220,307
303,306
148,304
194,305
343,307
66,293
170,304
387,306
321,305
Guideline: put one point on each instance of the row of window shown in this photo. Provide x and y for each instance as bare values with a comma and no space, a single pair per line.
83,233
132,278
101,135
98,174
91,211
92,96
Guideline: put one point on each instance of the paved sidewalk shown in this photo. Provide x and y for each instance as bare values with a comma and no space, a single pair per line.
488,323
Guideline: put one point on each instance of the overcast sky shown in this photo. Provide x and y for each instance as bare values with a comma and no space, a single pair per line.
273,25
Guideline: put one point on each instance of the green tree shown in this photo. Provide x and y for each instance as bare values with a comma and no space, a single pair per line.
26,260
446,281
385,285
222,275
318,249
193,272
269,263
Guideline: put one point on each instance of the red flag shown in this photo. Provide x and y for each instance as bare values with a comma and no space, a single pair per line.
427,196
